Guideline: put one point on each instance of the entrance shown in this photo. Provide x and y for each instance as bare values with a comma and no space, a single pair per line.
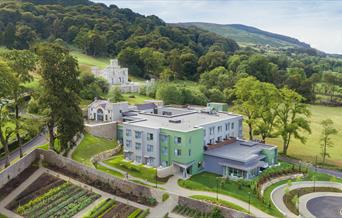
99,116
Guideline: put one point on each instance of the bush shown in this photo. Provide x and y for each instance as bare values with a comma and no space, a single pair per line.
151,201
144,214
165,196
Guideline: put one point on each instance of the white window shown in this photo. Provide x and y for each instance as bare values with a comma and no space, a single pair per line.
178,152
232,126
164,138
164,163
138,159
128,132
219,129
219,138
212,130
178,140
190,140
149,148
137,134
137,146
165,151
128,143
150,136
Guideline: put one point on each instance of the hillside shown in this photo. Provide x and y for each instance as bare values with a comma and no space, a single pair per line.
247,35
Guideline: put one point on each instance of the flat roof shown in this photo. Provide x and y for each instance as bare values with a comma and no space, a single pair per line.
182,122
242,151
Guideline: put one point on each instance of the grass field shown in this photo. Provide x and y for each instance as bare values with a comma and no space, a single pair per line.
134,98
311,148
90,146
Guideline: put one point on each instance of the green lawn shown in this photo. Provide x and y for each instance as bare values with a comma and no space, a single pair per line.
2,216
90,146
134,98
219,202
207,182
311,148
109,171
139,171
84,59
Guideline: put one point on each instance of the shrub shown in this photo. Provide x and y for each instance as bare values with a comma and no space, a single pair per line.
144,214
151,201
165,196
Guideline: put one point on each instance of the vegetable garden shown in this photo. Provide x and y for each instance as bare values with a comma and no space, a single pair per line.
110,208
49,196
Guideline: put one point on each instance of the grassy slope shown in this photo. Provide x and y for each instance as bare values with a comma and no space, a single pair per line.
311,148
243,37
90,146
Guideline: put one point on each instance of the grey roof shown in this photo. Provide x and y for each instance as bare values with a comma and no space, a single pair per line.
242,151
146,106
188,121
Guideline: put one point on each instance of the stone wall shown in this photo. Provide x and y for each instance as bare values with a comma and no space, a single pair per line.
207,208
15,169
166,171
106,154
103,130
93,175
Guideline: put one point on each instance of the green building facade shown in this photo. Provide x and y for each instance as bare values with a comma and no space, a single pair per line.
183,150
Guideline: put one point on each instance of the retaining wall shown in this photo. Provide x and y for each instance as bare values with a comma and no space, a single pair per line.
15,169
208,207
104,130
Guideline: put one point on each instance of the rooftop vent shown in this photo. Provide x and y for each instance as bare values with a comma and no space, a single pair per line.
175,121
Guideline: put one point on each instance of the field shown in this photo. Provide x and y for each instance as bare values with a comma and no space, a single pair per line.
49,196
90,146
311,148
134,98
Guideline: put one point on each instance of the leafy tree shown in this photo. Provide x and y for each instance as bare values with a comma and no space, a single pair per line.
9,36
115,95
268,106
59,72
21,63
152,60
247,93
327,132
167,75
170,94
215,95
211,60
292,117
7,82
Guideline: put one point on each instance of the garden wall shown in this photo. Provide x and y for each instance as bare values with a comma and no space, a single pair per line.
93,175
104,130
207,208
15,169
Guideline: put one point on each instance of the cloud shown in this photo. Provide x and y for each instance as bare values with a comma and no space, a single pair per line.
316,22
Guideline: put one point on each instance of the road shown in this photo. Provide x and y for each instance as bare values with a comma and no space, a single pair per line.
326,206
278,193
335,173
36,141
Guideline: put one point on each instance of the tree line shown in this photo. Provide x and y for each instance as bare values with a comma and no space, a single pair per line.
57,96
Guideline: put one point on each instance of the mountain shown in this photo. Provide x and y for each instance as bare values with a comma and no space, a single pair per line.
247,35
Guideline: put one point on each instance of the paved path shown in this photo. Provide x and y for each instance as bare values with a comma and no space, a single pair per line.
321,170
279,192
321,204
172,187
38,140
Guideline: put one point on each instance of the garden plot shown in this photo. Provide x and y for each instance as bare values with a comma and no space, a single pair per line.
110,208
49,196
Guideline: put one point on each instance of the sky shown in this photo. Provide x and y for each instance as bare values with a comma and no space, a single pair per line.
317,22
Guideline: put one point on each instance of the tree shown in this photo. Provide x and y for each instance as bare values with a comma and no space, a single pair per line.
9,36
115,95
21,63
292,117
59,72
167,75
170,94
247,93
211,60
268,105
7,82
327,132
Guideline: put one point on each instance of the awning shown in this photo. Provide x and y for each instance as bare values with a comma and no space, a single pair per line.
185,166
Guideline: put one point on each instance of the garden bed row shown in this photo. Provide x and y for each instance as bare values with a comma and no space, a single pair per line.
109,208
189,212
62,200
149,201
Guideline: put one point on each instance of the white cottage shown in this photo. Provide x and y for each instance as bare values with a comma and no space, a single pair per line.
105,111
113,73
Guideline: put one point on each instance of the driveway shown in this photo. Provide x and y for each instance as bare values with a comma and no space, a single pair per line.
321,204
278,193
38,140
